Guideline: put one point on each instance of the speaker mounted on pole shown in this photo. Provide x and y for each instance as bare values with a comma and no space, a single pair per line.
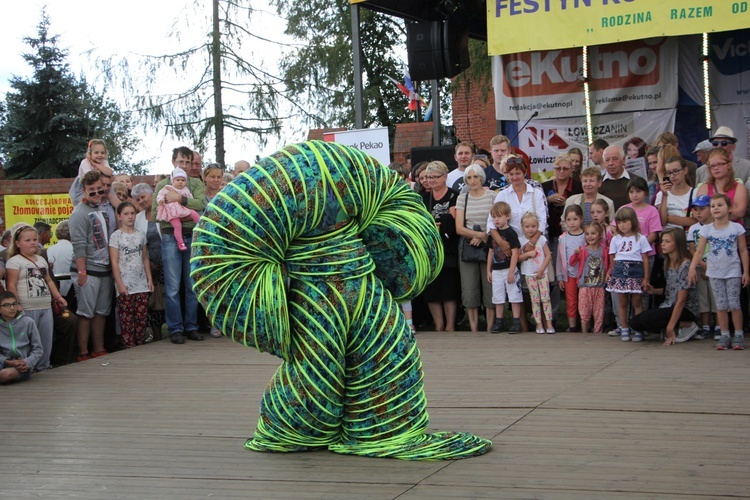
436,49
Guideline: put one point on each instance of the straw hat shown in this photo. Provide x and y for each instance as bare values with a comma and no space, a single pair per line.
723,133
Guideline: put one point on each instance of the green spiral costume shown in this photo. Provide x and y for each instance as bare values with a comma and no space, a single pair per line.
304,256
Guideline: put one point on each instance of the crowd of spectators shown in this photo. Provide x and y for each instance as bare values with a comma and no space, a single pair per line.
116,274
614,233
626,258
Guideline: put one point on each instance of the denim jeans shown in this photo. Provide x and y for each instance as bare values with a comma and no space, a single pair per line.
176,274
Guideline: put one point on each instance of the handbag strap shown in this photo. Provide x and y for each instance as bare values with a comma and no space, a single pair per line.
35,264
466,210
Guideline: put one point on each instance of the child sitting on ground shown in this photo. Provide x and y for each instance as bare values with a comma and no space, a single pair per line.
20,344
174,211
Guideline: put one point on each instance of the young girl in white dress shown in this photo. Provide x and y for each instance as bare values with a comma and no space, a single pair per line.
628,270
534,268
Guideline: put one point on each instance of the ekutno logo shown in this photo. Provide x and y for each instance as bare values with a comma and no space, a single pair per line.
626,64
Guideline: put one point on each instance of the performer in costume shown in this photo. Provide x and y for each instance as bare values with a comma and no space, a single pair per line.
306,256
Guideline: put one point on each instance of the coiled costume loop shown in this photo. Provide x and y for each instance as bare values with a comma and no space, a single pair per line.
304,256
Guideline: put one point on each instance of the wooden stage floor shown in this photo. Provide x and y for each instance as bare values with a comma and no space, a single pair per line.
570,415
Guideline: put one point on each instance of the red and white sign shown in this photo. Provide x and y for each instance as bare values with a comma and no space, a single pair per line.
628,76
543,140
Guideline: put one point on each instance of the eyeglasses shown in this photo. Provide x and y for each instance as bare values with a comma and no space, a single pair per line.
9,304
721,143
720,164
100,192
480,157
513,161
675,172
563,168
435,176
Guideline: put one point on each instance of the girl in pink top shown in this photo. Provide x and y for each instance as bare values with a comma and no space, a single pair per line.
96,159
648,215
172,212
721,181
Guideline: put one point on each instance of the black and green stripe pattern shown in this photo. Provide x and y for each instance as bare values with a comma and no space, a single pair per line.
305,256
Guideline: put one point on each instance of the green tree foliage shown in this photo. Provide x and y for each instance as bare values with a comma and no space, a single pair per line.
48,119
221,88
320,73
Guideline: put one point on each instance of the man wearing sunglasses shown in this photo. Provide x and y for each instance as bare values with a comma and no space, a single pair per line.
724,138
90,269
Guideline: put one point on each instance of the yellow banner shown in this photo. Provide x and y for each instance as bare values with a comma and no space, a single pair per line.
523,25
33,208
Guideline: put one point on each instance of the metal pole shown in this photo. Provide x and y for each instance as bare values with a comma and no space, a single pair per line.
435,112
359,104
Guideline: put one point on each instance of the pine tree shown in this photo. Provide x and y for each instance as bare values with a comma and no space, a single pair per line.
48,119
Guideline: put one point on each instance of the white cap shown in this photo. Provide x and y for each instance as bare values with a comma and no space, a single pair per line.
703,146
178,172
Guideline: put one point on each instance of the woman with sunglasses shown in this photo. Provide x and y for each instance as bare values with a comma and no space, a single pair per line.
442,295
721,181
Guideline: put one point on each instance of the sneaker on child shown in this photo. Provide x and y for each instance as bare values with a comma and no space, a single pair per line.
724,343
738,343
687,333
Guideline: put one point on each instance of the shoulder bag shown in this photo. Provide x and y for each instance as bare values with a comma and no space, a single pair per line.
470,253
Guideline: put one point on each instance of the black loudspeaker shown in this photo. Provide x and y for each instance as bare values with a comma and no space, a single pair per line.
436,49
434,153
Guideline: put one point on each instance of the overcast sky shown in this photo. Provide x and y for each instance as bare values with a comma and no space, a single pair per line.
91,30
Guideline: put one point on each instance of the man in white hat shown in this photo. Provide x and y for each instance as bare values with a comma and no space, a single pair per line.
701,150
724,138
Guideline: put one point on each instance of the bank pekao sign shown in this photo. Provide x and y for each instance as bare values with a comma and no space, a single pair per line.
373,141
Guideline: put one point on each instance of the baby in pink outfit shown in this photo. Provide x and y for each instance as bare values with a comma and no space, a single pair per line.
172,212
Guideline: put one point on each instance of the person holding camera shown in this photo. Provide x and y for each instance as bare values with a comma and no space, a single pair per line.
472,209
676,194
